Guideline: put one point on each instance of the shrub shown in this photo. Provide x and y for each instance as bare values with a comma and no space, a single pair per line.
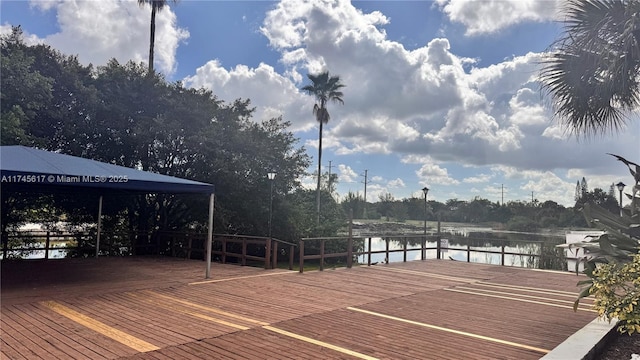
612,260
615,288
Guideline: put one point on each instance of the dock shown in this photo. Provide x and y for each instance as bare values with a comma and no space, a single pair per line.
164,308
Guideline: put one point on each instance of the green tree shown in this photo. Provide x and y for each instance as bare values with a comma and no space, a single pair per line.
385,204
353,202
399,211
156,6
324,88
121,115
25,91
300,213
591,74
414,207
330,181
584,188
599,197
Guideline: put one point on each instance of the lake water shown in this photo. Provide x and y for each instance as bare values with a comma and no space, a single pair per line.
36,254
378,244
483,239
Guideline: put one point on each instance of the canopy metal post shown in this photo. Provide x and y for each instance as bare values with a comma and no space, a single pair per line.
210,236
99,226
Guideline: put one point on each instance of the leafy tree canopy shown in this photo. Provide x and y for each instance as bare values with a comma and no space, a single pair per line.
119,114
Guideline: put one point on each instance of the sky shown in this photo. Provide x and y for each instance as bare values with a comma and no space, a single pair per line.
440,93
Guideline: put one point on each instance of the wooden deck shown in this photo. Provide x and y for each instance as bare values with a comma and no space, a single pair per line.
161,308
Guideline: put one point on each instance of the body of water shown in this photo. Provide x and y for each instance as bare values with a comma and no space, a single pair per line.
526,245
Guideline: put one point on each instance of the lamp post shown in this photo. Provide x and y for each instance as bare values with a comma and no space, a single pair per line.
271,176
423,254
620,187
425,190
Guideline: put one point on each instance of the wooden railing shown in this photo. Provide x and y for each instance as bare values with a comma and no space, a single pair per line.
82,243
348,252
244,249
187,245
46,241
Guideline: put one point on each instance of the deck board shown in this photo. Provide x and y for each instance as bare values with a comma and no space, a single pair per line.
434,309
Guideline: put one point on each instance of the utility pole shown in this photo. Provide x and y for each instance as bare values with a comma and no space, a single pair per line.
330,191
532,198
365,192
502,194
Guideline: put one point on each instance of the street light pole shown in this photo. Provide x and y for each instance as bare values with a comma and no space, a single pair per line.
620,187
423,256
426,191
272,176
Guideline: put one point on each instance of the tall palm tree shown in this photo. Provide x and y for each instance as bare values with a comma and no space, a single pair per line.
324,88
591,74
156,6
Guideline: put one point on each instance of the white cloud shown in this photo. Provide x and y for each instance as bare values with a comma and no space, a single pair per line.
480,178
490,16
526,109
98,31
546,185
421,101
434,174
556,132
244,82
396,183
425,106
309,182
346,174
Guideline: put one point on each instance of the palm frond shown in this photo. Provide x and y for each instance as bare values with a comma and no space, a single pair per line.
592,74
324,88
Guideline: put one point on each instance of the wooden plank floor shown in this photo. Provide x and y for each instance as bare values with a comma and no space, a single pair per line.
161,308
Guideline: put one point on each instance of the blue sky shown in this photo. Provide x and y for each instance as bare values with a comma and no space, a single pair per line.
439,93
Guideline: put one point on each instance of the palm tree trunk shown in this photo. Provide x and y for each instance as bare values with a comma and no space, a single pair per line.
153,37
319,171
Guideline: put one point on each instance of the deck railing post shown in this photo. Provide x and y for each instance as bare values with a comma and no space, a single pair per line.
46,245
369,252
224,250
274,255
267,254
322,255
386,259
244,252
541,261
301,256
404,247
502,254
291,249
468,251
438,242
350,241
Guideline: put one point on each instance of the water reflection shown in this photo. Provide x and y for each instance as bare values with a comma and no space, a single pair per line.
521,249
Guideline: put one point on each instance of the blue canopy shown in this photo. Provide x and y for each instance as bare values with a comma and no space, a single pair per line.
26,167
